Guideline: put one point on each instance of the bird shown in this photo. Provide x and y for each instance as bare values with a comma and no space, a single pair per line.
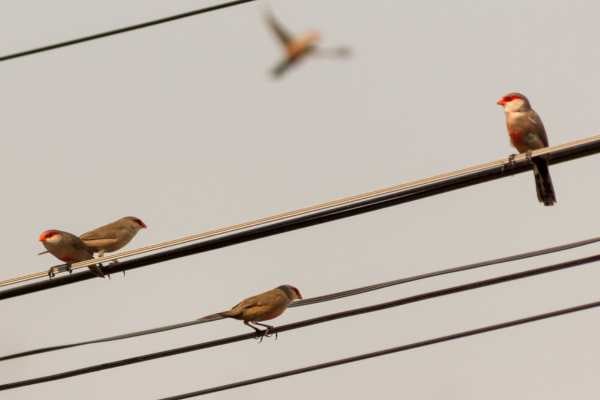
262,307
68,248
114,236
527,133
298,47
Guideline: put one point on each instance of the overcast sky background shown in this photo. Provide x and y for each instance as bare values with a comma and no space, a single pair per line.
181,125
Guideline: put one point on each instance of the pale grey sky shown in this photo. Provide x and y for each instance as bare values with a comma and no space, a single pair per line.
181,126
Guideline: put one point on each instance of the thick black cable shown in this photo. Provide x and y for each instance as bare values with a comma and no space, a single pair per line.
481,264
122,30
456,180
397,349
319,299
304,323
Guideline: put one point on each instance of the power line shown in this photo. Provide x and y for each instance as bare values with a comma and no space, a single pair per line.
122,30
410,346
305,323
309,216
317,299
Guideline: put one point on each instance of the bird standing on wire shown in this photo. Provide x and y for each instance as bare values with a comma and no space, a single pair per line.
298,47
68,248
262,307
527,133
113,236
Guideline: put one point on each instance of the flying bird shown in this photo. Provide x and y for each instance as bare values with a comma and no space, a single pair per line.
68,248
113,236
527,133
298,47
262,307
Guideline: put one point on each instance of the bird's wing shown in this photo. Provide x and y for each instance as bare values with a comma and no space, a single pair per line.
537,121
239,308
99,234
282,34
80,246
96,244
260,300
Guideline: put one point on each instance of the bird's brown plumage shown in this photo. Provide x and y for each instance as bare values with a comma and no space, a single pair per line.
262,307
527,133
113,236
68,248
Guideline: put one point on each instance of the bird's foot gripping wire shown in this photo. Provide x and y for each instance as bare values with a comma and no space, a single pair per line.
269,330
528,157
260,334
115,262
58,269
510,164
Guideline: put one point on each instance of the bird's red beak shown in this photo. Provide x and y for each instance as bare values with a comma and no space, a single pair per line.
501,102
45,235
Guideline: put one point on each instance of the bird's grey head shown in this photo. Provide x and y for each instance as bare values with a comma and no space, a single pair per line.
291,292
514,102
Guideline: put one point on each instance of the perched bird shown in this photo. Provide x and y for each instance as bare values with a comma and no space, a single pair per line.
113,236
68,248
262,307
527,133
297,47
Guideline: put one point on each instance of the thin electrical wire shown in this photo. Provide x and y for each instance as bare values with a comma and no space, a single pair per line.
309,216
305,323
123,30
391,350
318,299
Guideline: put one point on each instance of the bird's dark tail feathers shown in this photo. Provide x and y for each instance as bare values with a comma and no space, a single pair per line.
543,182
213,317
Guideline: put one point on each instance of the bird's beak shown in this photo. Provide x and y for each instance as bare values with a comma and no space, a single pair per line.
500,102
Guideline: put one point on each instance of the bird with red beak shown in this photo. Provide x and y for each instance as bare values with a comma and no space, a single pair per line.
298,47
527,133
262,307
68,248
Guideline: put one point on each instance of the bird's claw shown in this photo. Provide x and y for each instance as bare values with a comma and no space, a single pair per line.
116,262
260,335
528,157
270,332
58,269
510,164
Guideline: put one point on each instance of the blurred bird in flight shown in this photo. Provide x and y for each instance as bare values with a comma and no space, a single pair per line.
300,46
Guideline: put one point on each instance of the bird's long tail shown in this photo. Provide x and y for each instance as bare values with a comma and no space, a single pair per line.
543,182
213,317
